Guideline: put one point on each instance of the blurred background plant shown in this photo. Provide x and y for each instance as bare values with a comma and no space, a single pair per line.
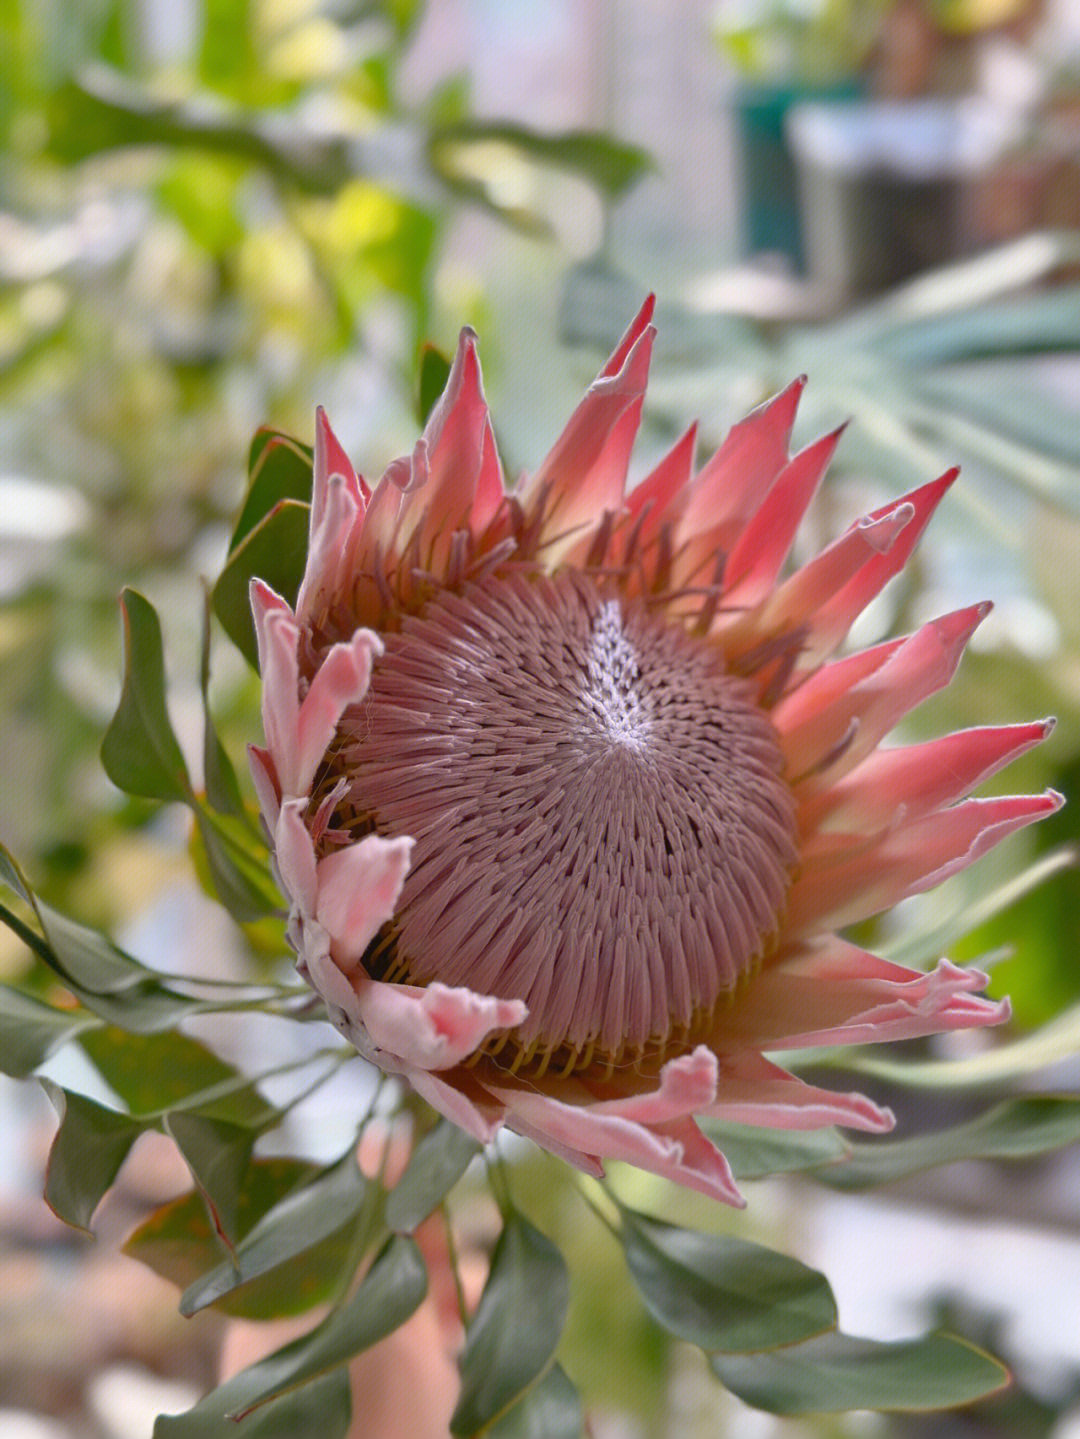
215,214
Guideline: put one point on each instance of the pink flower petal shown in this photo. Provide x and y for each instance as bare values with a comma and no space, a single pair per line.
277,636
432,1028
295,856
675,1149
341,680
816,717
687,1086
848,886
754,1091
466,483
584,474
835,993
358,889
919,778
759,553
732,485
264,778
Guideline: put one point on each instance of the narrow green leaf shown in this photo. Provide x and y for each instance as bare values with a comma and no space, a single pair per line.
723,1293
321,1409
756,1153
140,752
275,550
241,878
30,1031
837,1373
516,1327
217,1153
87,1152
219,776
279,468
303,1219
434,373
391,1290
1016,1129
437,1163
551,1409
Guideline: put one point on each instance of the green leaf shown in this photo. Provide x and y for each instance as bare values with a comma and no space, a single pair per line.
550,1410
280,468
755,1153
152,1074
391,1290
178,1242
612,166
434,373
109,982
437,1163
90,1146
222,786
516,1327
1015,1129
239,872
836,1373
319,1211
723,1293
321,1409
139,752
275,550
30,1031
218,1154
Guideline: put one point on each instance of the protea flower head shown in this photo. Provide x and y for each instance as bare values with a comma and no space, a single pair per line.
570,796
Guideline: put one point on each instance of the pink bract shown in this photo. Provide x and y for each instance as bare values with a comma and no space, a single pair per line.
570,795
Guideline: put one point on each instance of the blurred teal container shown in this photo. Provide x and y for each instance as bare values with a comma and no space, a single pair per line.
770,192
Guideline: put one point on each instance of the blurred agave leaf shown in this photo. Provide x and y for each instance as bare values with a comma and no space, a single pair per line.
1017,1129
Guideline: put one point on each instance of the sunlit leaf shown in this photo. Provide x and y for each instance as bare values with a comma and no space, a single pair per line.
434,372
280,468
837,1373
391,1290
152,1074
321,1409
87,1152
140,752
436,1165
302,1220
723,1293
1016,1129
611,165
30,1031
275,550
551,1409
516,1327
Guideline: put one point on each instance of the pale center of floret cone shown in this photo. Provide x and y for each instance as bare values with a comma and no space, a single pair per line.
602,824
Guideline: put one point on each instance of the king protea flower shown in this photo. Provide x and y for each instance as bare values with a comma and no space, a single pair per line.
570,797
